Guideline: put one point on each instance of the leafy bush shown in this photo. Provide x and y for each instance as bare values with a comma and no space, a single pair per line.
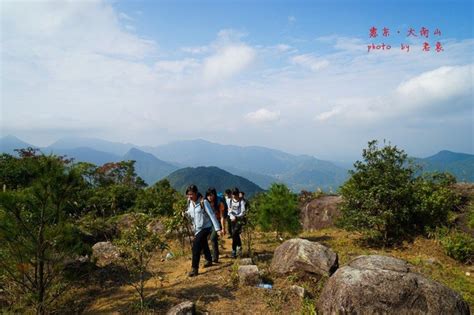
384,200
470,215
138,245
277,210
158,199
457,245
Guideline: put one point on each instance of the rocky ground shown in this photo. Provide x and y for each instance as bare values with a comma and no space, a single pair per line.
217,289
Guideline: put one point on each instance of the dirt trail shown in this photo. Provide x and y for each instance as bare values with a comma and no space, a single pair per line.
214,290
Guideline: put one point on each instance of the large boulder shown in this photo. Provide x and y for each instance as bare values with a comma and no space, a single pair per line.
385,285
299,255
320,213
104,253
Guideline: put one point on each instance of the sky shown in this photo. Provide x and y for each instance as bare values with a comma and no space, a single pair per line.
299,76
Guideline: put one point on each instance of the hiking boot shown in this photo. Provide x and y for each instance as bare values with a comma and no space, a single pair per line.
207,264
193,273
215,261
233,255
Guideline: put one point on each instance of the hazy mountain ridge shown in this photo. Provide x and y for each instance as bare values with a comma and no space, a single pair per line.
210,176
260,165
148,166
460,165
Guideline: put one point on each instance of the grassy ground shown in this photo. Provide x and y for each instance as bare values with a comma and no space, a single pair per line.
217,291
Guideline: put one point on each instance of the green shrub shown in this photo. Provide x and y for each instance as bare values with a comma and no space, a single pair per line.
470,215
456,244
277,210
386,202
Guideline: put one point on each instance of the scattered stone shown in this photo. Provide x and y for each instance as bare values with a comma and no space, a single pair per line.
264,257
169,256
468,273
300,291
249,275
246,261
156,227
320,213
384,285
300,255
104,253
184,308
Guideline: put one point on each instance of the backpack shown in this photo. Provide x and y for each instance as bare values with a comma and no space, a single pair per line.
220,198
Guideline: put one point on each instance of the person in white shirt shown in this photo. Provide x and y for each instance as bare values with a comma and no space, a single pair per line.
200,212
236,215
228,198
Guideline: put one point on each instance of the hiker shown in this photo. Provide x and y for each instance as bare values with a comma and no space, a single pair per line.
228,198
236,214
203,219
218,207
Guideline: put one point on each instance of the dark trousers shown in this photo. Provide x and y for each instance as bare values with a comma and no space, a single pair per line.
236,230
215,245
200,244
229,225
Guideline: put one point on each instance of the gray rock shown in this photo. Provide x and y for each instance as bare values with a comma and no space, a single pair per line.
104,253
300,255
184,308
156,227
385,285
245,261
300,291
320,213
249,275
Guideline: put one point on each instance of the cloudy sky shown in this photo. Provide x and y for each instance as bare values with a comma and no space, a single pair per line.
292,75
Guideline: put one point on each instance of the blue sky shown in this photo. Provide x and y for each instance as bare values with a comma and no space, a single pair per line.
291,75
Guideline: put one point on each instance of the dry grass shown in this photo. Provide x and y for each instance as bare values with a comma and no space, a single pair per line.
215,290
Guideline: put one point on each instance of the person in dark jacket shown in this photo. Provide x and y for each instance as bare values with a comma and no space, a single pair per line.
218,208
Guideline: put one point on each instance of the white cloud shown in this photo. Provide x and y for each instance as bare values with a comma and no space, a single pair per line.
176,66
124,16
228,61
262,115
310,62
77,62
328,114
438,86
196,50
77,26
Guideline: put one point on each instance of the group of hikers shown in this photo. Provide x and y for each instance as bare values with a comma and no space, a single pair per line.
209,215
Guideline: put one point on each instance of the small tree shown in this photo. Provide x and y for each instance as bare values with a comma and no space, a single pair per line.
248,228
385,201
378,197
178,223
158,199
36,237
277,210
138,245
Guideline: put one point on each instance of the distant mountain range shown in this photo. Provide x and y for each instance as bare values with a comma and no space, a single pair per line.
259,165
148,167
211,176
460,165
